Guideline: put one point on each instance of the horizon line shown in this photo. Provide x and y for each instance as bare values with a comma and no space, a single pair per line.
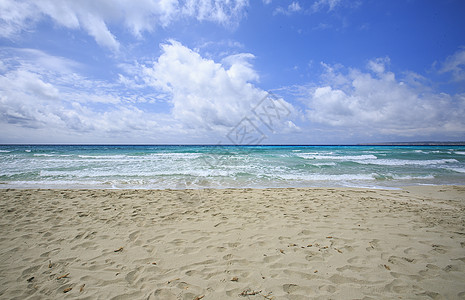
424,143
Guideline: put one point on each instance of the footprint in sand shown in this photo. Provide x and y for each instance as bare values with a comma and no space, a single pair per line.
165,294
272,258
133,276
290,288
327,288
353,269
134,236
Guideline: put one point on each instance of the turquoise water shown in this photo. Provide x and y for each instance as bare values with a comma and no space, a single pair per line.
180,167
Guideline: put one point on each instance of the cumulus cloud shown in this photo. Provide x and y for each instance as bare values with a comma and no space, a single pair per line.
44,98
204,93
95,17
376,102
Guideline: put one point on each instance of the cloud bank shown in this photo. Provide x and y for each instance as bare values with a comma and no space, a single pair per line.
96,17
375,102
44,93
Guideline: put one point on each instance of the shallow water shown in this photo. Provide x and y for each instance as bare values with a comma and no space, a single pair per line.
180,167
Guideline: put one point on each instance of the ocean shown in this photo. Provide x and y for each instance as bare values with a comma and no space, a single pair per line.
194,167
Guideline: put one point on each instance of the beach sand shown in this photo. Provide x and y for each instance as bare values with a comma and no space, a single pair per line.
233,244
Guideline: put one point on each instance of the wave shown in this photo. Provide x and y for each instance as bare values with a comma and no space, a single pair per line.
180,155
390,176
351,177
332,157
143,156
404,162
144,167
458,170
136,173
326,177
324,164
103,156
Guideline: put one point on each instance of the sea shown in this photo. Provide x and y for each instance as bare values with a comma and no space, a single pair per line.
198,167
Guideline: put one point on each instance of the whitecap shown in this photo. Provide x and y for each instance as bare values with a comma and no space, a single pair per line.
404,162
458,170
326,177
333,157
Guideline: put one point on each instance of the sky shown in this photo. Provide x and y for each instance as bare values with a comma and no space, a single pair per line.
231,71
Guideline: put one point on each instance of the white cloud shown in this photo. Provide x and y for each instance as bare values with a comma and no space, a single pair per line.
16,16
378,65
181,97
455,64
43,99
320,4
97,28
317,6
377,103
205,94
294,6
95,17
223,12
291,8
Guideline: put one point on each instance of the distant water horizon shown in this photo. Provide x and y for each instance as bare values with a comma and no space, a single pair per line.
229,166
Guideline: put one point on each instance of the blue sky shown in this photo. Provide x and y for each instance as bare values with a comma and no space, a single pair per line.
182,72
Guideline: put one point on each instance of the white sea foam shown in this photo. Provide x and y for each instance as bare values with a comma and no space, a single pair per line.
351,177
324,164
441,151
134,173
458,170
326,177
177,155
333,157
404,162
460,152
409,177
103,156
367,186
4,151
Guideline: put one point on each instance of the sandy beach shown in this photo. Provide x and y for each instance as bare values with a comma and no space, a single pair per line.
294,243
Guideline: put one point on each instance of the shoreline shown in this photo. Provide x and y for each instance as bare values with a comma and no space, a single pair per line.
387,188
279,243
